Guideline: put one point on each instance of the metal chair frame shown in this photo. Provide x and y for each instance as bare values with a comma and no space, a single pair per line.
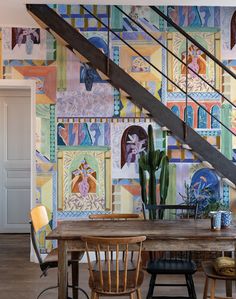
170,257
45,266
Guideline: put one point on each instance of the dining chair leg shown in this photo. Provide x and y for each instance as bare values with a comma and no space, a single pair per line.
138,292
189,287
131,296
151,286
93,295
213,286
228,288
193,292
75,274
205,292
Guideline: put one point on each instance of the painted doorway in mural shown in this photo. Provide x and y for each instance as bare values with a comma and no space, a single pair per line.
15,159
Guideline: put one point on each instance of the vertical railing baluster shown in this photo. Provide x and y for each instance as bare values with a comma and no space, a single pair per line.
108,38
186,94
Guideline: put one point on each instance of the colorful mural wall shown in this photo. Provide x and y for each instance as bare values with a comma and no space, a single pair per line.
89,135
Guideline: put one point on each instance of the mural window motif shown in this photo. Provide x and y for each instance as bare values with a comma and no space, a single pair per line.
133,143
233,31
175,110
202,118
188,116
215,111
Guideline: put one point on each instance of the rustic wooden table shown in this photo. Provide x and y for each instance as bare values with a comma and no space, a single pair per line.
176,235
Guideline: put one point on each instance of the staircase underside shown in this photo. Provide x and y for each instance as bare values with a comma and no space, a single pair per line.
77,43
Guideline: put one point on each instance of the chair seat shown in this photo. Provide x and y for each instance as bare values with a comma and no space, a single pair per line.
210,272
105,289
168,266
52,257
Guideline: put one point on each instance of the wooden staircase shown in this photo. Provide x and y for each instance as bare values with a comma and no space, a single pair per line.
80,46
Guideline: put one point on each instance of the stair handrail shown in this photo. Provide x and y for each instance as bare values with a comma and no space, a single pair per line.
151,64
173,54
190,38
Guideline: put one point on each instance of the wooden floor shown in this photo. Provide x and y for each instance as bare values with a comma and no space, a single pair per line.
20,279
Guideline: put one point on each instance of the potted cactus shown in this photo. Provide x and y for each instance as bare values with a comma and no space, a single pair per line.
149,165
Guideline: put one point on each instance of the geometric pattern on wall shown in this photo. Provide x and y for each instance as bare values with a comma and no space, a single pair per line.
197,60
83,179
45,77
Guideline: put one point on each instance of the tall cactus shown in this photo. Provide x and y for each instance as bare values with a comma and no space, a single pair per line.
149,164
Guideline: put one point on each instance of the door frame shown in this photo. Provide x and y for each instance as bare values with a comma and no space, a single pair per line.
31,85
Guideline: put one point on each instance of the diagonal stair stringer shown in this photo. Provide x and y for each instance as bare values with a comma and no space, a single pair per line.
50,20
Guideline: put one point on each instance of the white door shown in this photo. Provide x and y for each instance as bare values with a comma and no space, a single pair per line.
15,155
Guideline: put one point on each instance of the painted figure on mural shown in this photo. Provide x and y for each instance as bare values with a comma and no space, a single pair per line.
133,143
89,75
83,179
196,61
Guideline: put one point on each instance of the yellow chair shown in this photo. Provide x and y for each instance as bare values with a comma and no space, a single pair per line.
39,220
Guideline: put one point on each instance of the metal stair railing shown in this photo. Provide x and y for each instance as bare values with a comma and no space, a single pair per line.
192,40
77,43
175,56
157,69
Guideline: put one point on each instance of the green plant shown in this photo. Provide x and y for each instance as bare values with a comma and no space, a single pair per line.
149,164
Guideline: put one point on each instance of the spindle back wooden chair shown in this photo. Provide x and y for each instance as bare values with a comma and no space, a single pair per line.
113,276
115,216
175,263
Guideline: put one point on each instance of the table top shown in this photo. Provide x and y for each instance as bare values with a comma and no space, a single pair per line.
185,229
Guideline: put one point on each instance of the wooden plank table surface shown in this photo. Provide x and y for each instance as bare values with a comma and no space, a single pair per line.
173,235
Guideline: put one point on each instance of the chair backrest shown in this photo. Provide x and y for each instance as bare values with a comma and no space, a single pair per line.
39,219
170,212
113,216
113,276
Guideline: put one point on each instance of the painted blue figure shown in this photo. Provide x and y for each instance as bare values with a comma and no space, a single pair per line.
95,127
202,118
88,75
84,135
205,188
189,117
206,10
175,110
215,111
60,138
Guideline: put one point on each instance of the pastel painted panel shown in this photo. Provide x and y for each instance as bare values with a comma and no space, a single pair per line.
85,134
83,186
24,43
197,61
45,78
128,141
195,16
82,103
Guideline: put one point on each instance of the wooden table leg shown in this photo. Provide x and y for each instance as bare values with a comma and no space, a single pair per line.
62,269
75,273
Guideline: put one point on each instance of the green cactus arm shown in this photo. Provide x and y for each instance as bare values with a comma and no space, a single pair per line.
143,184
164,179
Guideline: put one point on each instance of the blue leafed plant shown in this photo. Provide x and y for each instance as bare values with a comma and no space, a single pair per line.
149,165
